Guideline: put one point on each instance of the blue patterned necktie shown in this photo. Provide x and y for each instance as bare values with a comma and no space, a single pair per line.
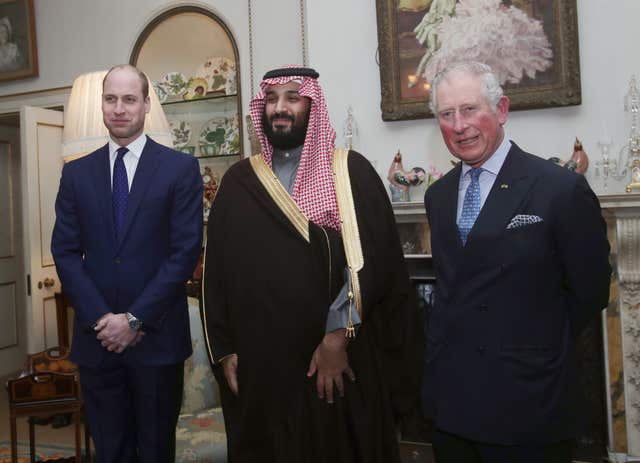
470,206
120,191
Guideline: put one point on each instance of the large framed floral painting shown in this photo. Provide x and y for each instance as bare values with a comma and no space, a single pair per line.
532,45
18,51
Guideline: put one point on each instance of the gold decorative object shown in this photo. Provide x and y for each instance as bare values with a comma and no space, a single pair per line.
632,106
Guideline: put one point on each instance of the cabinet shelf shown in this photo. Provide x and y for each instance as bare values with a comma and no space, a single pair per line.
203,99
218,156
202,109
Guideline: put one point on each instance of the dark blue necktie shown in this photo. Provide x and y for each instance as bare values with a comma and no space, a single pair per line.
470,205
120,191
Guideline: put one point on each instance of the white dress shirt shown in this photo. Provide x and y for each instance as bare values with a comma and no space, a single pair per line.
130,158
491,167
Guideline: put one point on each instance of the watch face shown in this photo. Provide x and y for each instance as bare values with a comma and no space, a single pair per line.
134,323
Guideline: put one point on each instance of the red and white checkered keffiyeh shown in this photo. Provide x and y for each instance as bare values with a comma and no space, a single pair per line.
313,189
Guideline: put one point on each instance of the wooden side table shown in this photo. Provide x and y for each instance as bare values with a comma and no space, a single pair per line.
48,386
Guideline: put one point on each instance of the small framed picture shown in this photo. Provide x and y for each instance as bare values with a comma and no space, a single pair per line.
18,50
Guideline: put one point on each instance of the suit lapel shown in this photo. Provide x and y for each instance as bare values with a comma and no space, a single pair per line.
444,206
102,184
147,165
509,190
449,208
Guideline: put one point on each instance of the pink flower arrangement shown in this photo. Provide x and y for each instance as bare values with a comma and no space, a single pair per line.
512,43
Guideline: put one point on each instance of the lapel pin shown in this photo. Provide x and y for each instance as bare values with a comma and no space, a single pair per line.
504,186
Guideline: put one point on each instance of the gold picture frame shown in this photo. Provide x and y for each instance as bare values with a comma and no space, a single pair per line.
18,49
404,91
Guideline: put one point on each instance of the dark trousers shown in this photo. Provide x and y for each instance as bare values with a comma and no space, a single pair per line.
449,448
132,410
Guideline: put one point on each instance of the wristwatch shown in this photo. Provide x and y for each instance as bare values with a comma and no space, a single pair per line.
134,323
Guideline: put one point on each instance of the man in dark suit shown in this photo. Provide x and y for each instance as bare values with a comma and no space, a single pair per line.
521,260
127,236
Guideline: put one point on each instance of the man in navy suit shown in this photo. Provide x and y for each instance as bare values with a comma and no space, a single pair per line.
521,260
127,236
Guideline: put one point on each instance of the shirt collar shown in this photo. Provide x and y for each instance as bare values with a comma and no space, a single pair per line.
293,153
494,163
135,147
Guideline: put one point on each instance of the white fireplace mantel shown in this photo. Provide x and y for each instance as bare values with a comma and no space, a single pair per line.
623,333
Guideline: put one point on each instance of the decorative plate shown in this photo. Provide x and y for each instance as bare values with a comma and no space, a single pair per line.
175,82
180,132
216,70
220,136
232,136
187,149
196,88
213,136
161,90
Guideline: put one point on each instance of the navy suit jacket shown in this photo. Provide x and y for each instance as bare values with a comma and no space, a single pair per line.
499,361
143,272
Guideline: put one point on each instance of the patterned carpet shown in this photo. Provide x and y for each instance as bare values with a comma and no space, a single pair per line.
200,438
206,445
43,452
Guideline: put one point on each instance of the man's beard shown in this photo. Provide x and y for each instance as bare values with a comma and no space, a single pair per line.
286,140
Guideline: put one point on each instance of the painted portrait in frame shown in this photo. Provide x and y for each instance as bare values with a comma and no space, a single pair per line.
18,51
532,45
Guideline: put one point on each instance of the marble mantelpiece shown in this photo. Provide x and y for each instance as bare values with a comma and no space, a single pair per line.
622,213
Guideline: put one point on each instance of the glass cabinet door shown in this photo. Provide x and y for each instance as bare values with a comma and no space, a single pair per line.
191,58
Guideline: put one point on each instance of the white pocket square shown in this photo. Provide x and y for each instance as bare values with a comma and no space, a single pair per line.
521,220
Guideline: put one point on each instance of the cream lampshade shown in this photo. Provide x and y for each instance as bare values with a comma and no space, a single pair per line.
84,131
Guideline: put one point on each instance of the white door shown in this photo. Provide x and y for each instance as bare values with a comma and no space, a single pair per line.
41,140
13,344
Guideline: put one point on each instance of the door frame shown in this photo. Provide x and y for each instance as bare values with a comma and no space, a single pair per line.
11,104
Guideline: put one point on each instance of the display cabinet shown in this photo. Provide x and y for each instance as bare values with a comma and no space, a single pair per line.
191,58
414,234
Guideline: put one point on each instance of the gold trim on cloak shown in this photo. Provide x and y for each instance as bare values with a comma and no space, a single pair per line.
349,221
207,340
350,231
280,195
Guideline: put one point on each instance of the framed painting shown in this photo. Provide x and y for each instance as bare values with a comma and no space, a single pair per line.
18,50
532,45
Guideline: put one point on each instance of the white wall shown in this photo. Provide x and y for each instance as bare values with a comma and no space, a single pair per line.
342,46
76,36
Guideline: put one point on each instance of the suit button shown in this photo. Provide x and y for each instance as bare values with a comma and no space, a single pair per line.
481,350
117,260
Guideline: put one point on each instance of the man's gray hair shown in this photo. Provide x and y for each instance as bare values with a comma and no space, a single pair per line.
492,89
